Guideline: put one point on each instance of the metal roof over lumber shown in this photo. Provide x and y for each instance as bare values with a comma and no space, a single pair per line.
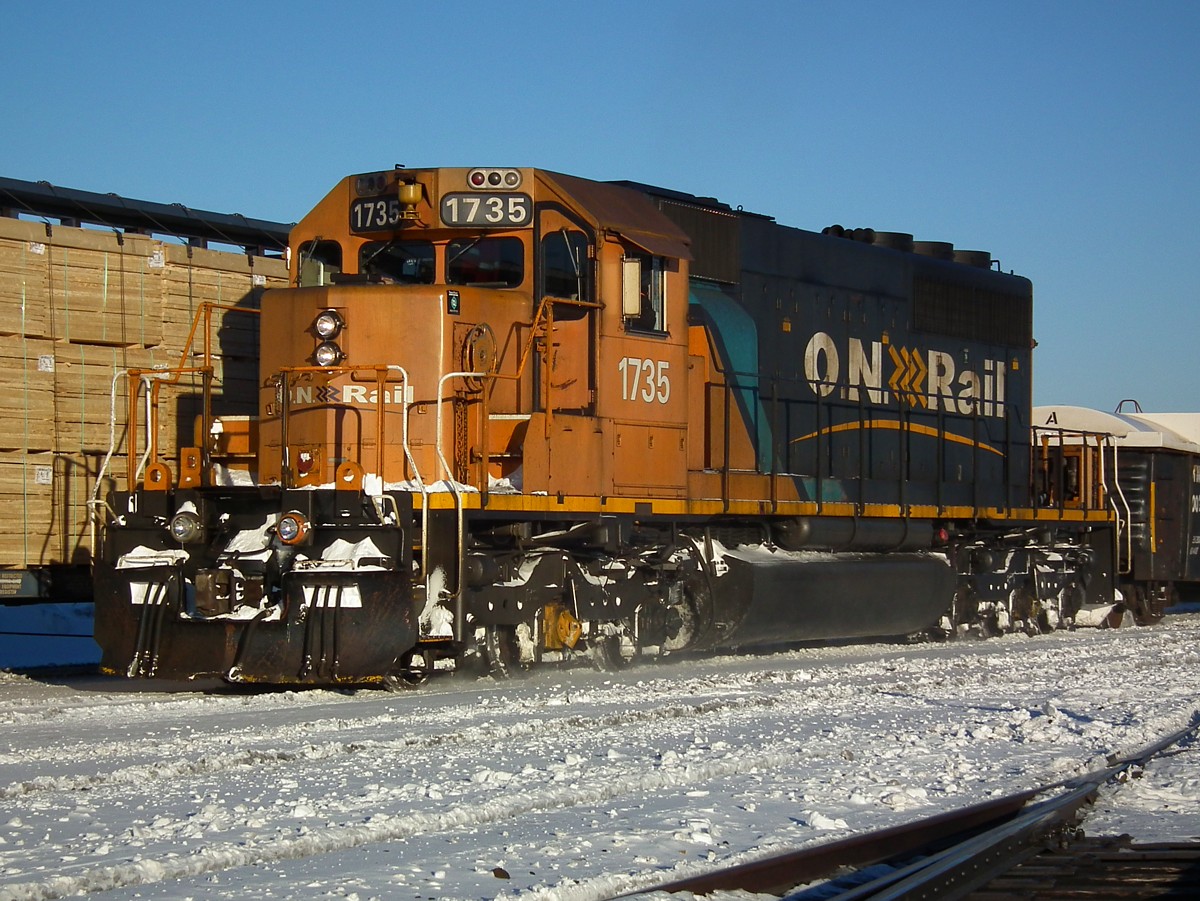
197,227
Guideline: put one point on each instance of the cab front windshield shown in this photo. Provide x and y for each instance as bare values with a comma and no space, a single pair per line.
486,262
398,262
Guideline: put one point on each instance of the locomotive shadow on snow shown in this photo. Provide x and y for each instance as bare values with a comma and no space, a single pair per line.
90,681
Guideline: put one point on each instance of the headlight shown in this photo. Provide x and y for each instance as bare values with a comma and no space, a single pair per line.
185,527
328,354
329,324
293,528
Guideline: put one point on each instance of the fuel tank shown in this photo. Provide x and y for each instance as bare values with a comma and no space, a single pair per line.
763,596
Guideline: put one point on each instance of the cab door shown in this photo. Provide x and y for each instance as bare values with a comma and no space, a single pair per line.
644,381
564,292
563,450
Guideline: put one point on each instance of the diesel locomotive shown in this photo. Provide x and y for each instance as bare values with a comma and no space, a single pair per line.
508,416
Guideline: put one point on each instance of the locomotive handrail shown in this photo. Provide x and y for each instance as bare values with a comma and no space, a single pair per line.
544,309
726,444
452,482
1124,526
729,384
154,379
112,443
205,311
1093,489
380,370
96,503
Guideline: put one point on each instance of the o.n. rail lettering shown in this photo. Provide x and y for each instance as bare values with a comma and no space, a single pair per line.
931,379
350,395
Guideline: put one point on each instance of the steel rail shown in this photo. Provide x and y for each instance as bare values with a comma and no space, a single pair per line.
975,862
782,872
998,834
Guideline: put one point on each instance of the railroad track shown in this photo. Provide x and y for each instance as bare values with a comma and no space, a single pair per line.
1025,845
1110,866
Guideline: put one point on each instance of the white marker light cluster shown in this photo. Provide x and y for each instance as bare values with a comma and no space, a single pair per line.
509,179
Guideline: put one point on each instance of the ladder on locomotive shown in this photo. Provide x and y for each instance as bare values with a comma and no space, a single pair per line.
1072,472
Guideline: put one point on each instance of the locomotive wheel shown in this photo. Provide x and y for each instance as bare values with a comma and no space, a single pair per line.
964,609
1150,603
681,626
991,619
414,671
511,650
1024,608
614,648
689,611
501,651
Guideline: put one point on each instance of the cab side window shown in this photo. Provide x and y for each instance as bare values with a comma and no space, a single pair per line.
644,292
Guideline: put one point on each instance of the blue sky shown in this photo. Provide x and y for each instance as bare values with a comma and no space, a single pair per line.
1061,136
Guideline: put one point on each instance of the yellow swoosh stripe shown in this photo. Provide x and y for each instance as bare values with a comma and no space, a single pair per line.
893,425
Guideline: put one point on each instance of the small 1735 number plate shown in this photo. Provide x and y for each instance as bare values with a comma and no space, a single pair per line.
373,214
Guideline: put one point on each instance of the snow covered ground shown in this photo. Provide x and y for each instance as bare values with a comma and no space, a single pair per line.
569,784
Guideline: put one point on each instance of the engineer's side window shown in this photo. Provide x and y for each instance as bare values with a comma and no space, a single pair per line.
319,262
644,293
565,265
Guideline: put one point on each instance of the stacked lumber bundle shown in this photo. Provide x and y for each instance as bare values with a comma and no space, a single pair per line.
77,307
23,271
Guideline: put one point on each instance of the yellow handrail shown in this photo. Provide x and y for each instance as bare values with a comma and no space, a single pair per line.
156,378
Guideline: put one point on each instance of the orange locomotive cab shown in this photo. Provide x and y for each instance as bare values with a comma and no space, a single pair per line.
499,308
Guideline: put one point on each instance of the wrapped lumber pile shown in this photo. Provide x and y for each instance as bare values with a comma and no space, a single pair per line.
78,306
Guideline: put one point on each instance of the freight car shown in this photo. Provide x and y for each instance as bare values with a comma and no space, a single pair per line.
1153,466
511,415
